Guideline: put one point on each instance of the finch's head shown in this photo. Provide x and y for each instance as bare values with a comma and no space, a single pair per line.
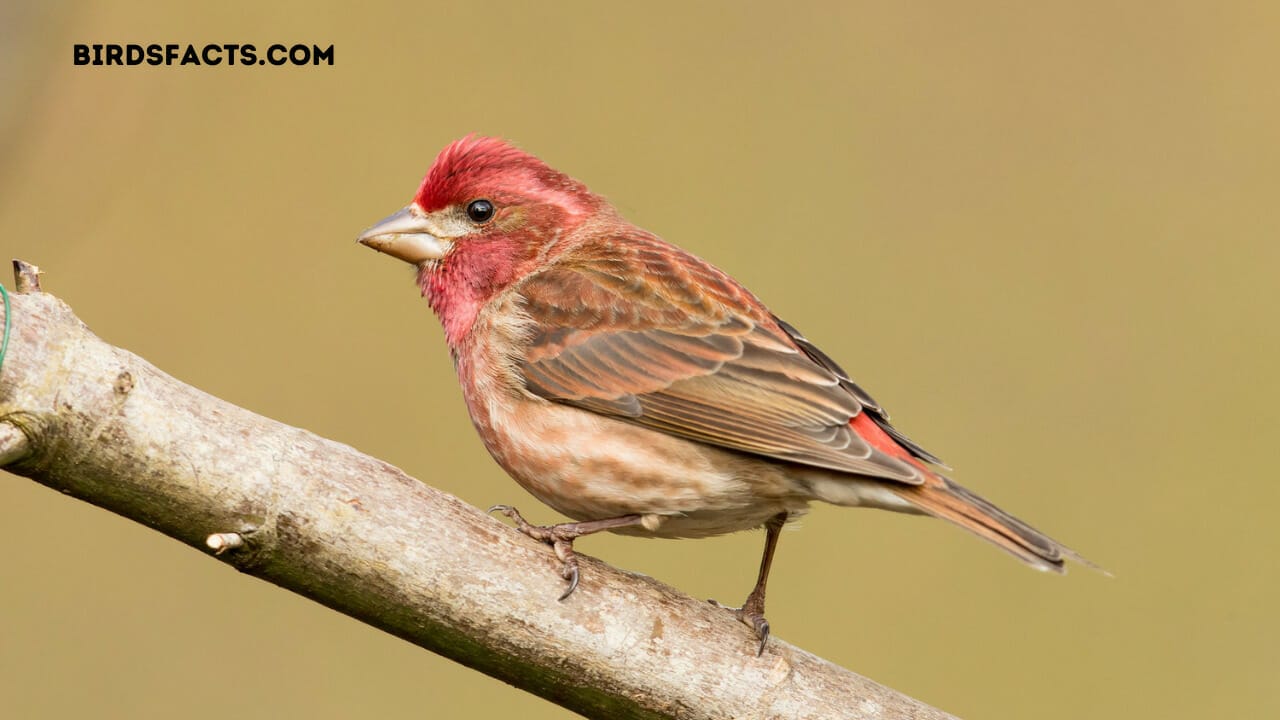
479,190
478,221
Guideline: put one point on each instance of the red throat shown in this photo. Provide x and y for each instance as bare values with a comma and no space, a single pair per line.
458,287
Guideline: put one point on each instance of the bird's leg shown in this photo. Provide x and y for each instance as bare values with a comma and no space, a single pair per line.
560,538
752,611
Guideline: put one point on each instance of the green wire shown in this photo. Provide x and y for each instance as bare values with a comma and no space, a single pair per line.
8,323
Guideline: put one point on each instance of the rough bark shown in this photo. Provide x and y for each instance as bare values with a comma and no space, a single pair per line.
347,530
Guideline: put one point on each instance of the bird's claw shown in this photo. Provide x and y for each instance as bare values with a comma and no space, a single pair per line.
761,626
541,533
569,571
752,619
570,574
559,537
505,510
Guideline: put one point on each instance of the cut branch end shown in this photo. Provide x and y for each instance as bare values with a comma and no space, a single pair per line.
222,542
26,277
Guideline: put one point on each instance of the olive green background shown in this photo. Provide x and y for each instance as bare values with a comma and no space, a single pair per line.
1045,237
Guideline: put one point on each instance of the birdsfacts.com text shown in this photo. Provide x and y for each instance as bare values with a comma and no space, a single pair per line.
132,54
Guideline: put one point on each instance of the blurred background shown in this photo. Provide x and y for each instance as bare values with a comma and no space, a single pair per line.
1045,236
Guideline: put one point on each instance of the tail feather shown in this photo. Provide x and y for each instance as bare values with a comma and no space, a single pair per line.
941,497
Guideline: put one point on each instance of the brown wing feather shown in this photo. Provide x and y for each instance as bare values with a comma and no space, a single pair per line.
873,408
654,336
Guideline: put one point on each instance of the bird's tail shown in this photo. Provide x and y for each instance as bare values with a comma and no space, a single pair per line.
940,497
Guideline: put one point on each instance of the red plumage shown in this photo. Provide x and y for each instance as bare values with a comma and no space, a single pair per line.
475,163
639,389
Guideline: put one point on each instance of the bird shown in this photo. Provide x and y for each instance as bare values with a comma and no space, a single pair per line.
636,388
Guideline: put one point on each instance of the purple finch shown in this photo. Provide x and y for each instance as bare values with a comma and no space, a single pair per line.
640,390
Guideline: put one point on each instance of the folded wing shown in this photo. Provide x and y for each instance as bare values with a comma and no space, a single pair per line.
656,337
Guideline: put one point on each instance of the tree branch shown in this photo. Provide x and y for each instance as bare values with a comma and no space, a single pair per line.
358,535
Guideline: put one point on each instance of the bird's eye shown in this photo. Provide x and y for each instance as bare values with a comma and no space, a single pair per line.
480,211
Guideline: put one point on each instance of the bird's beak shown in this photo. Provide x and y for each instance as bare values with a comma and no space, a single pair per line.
405,236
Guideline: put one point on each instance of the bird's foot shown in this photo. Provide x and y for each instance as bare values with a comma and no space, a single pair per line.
752,617
559,537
